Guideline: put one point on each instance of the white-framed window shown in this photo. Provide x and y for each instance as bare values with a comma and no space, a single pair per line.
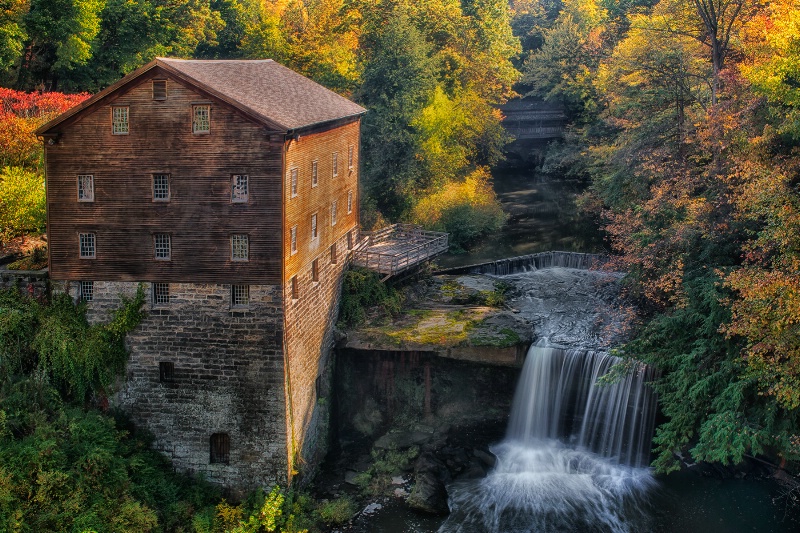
85,188
350,157
240,188
160,187
240,295
293,239
314,232
201,119
315,270
349,202
240,247
159,89
86,291
86,243
335,164
334,209
294,288
293,181
162,246
119,120
160,293
314,174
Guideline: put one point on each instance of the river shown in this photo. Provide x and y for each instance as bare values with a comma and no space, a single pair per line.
541,217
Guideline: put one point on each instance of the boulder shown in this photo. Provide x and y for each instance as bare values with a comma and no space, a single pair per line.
429,493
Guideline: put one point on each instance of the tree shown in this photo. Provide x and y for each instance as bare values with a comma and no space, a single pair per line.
60,36
398,80
22,202
12,33
563,68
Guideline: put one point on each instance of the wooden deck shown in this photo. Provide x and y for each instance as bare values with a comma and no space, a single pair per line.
397,248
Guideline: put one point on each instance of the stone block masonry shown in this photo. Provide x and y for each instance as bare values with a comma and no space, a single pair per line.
310,319
199,367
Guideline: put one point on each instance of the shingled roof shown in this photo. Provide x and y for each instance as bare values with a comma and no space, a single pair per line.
262,88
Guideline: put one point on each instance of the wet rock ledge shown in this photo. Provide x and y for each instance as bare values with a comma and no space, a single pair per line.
467,318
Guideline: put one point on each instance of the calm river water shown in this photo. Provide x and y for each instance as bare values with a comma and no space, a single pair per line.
542,217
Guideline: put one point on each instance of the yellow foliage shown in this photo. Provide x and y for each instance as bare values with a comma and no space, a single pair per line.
466,209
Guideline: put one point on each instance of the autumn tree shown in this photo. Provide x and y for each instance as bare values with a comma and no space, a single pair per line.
562,70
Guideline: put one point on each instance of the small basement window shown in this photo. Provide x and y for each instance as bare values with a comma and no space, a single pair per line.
159,89
220,448
239,188
162,245
201,119
334,258
166,372
86,291
85,188
240,295
349,240
160,187
295,289
119,121
87,245
160,293
315,270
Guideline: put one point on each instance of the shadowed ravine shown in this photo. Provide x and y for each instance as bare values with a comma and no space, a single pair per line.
575,454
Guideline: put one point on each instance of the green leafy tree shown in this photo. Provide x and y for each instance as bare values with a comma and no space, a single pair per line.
22,202
60,36
398,80
12,33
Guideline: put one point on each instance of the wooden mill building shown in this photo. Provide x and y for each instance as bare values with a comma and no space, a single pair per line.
229,190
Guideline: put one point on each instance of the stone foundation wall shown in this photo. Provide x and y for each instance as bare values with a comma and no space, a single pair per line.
228,378
33,282
310,321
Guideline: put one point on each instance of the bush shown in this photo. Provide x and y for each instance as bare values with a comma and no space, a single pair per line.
467,210
363,289
63,468
22,202
337,512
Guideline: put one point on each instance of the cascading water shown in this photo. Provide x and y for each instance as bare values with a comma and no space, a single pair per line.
559,397
576,450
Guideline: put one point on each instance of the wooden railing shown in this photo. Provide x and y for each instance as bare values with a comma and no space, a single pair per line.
399,247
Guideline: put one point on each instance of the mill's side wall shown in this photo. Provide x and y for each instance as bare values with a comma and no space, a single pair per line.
228,378
310,321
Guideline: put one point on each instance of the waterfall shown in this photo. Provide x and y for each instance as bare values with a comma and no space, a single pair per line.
575,454
559,397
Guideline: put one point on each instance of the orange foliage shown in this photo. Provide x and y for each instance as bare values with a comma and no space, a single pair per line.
20,114
767,312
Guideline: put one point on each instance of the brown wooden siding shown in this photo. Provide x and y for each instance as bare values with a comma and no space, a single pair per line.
298,210
199,215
